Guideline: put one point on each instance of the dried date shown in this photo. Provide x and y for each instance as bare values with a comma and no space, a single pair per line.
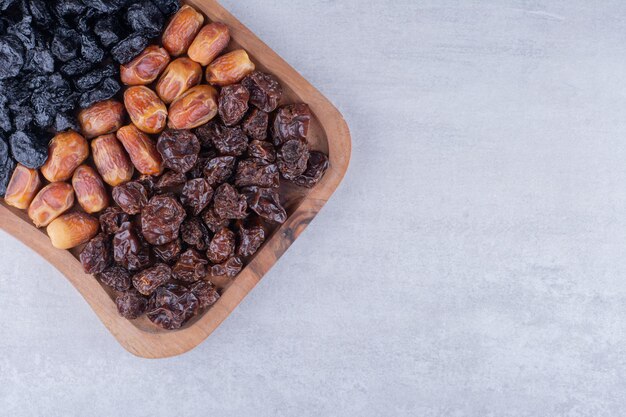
222,246
171,306
190,267
197,195
131,197
262,152
256,124
161,219
117,278
112,219
265,90
194,233
229,204
219,170
250,240
169,252
96,256
214,222
233,104
231,268
231,142
129,251
315,170
291,122
293,158
252,173
266,203
131,305
147,281
171,179
206,293
179,149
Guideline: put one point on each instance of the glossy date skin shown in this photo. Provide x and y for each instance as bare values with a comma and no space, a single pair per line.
161,220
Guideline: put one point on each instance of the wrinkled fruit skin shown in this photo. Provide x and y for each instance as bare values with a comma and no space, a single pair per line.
219,170
171,306
209,43
52,201
231,268
265,91
96,256
291,123
195,234
233,104
316,168
112,219
230,68
197,195
161,220
131,305
146,67
147,281
293,158
169,252
182,30
129,251
195,107
222,246
214,222
71,230
179,76
171,179
266,203
111,160
131,197
141,149
145,109
250,240
24,185
253,173
117,278
262,152
179,150
205,292
89,189
256,125
229,141
66,152
229,204
190,267
102,118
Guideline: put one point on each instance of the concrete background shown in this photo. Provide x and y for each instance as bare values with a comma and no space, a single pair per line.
472,264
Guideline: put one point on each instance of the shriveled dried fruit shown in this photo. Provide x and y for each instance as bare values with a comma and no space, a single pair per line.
179,76
171,306
89,189
230,141
96,256
222,246
230,68
66,152
265,91
102,118
49,203
293,158
148,280
145,109
205,292
182,30
233,104
251,173
171,179
112,219
229,204
71,230
262,152
131,305
128,48
161,220
250,240
266,203
197,195
195,107
195,234
28,149
169,251
291,122
131,197
24,185
179,150
214,222
190,267
129,251
315,170
209,43
146,67
117,278
141,149
111,160
220,169
231,268
256,124
203,159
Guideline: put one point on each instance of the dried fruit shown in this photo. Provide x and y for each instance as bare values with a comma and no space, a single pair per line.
171,306
262,152
142,150
161,220
128,48
52,201
96,255
28,149
315,170
111,160
256,124
251,173
229,204
171,179
214,222
231,268
250,240
145,109
265,91
129,251
195,234
293,158
131,197
24,185
190,267
66,152
144,16
195,107
179,76
197,195
266,203
146,67
205,292
233,104
112,219
71,230
222,246
232,141
209,43
179,150
291,122
147,281
182,30
169,251
102,118
219,170
230,68
131,305
89,189
117,278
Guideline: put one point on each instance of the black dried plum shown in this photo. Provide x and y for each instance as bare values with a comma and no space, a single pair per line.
69,7
131,305
40,12
65,45
109,31
145,17
22,117
76,67
28,149
7,165
106,6
89,48
11,56
106,90
64,121
127,49
23,30
167,7
39,61
90,80
5,4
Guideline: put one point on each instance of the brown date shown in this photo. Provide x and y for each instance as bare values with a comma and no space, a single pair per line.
205,292
171,306
229,141
266,203
250,240
101,118
117,278
293,158
265,91
209,43
129,250
131,305
233,104
178,77
145,109
111,160
141,149
190,267
49,203
112,219
197,195
65,153
231,268
182,30
256,124
147,281
73,229
195,234
219,170
229,204
179,150
315,170
89,189
230,68
254,173
161,220
96,255
222,246
132,197
194,108
214,222
262,152
146,67
171,179
169,251
24,185
291,122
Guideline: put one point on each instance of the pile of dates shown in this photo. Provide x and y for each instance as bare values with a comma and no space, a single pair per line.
183,183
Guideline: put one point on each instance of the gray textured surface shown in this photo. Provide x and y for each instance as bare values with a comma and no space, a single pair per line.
472,264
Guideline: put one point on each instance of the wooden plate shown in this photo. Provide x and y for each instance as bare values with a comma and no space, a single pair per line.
328,133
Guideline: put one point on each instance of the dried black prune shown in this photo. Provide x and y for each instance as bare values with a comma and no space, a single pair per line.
231,268
233,104
316,168
106,90
145,17
112,219
39,61
106,6
197,195
161,220
265,90
11,56
7,165
266,203
89,48
190,267
128,48
96,256
76,67
64,121
28,149
117,278
205,292
214,222
179,149
23,118
229,204
40,12
250,240
219,170
131,197
65,44
171,306
291,122
90,80
129,250
148,280
109,31
293,158
69,7
222,246
251,173
167,7
131,305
